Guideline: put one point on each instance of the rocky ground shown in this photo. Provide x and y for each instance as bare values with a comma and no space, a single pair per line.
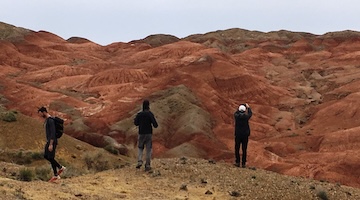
178,178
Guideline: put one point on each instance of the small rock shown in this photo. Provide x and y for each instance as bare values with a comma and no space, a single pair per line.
73,156
183,187
234,193
78,195
208,192
156,173
120,166
183,160
121,196
212,161
78,147
252,168
203,181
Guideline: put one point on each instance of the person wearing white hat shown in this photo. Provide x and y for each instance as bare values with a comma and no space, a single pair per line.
242,133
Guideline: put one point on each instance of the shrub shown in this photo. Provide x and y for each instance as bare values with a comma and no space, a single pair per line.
37,155
322,195
110,148
26,175
9,116
43,173
21,158
96,161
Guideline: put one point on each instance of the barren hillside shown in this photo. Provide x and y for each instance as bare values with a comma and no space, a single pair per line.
302,87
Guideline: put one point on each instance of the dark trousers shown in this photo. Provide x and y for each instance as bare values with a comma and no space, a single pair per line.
243,141
50,156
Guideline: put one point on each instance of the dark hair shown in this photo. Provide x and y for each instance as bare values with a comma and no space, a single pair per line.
146,105
42,109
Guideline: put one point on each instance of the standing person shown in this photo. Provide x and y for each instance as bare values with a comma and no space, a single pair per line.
51,143
242,132
145,120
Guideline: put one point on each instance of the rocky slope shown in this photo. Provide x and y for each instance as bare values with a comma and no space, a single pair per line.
302,87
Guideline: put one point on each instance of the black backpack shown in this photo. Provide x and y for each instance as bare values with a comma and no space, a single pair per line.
59,126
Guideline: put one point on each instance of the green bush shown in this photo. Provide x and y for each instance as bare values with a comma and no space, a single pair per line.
26,175
9,116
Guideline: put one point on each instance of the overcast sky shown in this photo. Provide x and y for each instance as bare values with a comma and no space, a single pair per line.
108,21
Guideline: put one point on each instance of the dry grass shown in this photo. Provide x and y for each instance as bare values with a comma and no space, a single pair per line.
201,178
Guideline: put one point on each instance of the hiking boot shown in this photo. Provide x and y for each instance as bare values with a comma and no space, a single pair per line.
61,170
54,178
147,168
243,165
237,164
138,166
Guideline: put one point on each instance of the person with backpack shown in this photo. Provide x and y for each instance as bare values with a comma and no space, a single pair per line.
52,135
145,120
242,133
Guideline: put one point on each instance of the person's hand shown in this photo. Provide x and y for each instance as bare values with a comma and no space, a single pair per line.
247,105
51,147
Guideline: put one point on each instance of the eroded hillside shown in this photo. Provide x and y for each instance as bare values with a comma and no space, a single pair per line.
302,87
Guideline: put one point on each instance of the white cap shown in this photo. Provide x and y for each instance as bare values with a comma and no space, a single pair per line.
242,108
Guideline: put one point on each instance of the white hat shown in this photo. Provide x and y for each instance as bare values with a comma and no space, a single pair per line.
242,108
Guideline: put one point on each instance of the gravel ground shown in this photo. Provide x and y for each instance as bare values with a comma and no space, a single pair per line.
179,179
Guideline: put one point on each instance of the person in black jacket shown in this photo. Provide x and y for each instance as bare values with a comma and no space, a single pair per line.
51,143
145,120
242,132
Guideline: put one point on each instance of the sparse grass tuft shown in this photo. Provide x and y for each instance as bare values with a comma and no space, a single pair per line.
37,155
20,157
19,194
97,161
26,175
9,116
110,148
43,173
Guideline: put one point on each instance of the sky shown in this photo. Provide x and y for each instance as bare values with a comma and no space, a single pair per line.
108,21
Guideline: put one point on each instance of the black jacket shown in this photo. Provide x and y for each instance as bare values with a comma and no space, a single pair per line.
50,130
145,120
242,128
